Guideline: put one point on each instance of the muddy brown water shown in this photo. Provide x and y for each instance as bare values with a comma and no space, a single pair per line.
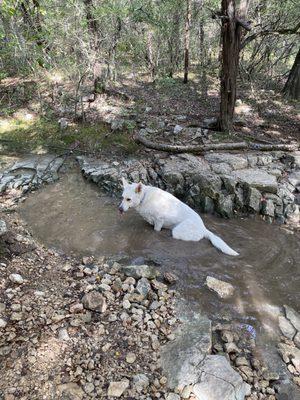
74,216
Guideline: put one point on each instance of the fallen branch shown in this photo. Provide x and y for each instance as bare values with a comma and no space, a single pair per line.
202,148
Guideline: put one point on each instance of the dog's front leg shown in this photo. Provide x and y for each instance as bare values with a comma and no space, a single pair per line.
158,224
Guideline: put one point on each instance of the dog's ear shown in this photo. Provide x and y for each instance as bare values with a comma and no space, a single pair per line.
124,182
138,188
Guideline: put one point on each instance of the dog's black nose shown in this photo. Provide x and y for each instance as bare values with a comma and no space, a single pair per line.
121,209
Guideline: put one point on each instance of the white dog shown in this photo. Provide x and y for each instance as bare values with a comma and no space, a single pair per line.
163,210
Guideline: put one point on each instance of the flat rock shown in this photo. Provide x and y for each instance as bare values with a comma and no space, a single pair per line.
286,327
116,389
257,178
234,161
223,289
218,380
181,357
293,317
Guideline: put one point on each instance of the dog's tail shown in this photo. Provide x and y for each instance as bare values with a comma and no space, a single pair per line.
220,244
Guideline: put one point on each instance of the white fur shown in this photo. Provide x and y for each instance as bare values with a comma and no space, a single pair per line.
163,210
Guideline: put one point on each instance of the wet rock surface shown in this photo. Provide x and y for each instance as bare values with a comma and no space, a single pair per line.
31,172
289,347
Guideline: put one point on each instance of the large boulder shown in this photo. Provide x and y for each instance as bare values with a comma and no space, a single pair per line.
180,359
218,380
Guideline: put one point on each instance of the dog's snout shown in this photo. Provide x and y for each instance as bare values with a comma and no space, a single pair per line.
121,210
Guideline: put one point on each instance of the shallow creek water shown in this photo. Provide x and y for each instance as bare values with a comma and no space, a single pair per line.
73,215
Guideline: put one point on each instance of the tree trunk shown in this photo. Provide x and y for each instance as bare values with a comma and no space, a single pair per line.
173,44
231,42
150,55
187,39
292,86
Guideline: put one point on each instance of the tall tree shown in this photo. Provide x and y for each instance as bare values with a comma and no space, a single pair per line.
232,25
187,33
292,86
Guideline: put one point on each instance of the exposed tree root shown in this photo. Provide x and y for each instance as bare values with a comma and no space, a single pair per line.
202,148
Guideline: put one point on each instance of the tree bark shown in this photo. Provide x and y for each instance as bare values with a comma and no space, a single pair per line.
150,55
187,39
92,25
232,24
292,86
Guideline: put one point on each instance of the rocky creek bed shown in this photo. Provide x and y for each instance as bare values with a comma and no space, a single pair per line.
92,328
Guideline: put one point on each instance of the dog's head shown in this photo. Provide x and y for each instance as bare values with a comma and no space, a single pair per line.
132,195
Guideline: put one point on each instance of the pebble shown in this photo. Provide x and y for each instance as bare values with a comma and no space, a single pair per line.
63,334
89,388
231,348
172,396
140,382
15,316
170,278
126,304
130,358
3,323
16,278
116,389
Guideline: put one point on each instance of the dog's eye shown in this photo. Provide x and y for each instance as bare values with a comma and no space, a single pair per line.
128,199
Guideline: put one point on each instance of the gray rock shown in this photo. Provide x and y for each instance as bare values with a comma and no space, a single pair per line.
221,169
71,390
218,380
16,278
268,208
172,396
180,358
3,227
143,287
63,334
223,289
140,382
236,162
297,339
177,129
286,327
140,271
89,387
118,124
210,122
130,358
3,323
253,198
225,206
116,389
257,178
5,350
94,301
294,178
293,316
